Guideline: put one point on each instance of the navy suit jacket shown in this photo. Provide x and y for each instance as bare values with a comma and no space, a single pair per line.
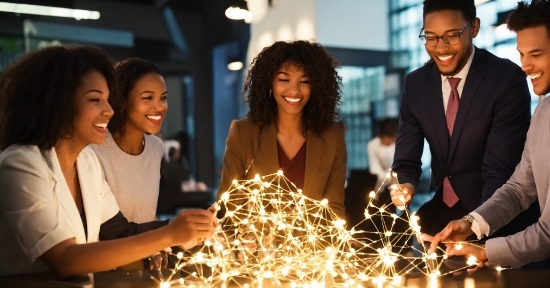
489,131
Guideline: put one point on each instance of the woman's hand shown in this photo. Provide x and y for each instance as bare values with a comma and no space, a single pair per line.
158,261
194,224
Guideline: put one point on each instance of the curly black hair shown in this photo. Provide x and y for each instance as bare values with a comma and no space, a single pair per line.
129,71
528,16
321,109
37,93
467,7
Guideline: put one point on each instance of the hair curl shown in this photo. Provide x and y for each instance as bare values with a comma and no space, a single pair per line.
466,7
529,16
129,71
37,93
321,109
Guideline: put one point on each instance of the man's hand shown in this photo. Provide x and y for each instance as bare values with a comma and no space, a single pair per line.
456,231
401,194
469,250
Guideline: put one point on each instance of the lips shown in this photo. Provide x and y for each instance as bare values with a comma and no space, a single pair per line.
445,59
101,127
292,100
156,119
535,76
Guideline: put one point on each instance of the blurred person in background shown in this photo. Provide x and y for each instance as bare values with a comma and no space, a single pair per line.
380,150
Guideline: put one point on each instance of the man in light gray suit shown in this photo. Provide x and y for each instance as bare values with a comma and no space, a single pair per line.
531,179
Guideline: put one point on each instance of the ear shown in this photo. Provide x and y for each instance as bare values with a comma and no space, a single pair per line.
476,23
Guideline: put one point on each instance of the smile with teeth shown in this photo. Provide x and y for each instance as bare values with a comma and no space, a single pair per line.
154,118
101,126
293,100
445,58
535,76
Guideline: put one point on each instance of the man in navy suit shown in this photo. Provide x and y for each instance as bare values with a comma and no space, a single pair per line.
472,107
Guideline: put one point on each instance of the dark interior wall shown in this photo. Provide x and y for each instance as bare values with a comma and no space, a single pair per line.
203,25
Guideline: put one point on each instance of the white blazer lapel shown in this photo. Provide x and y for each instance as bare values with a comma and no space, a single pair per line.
64,196
90,197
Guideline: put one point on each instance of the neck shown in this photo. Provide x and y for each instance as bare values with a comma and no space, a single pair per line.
290,124
67,151
132,142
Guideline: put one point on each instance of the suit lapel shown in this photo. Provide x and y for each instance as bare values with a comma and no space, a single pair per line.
267,157
314,153
437,110
64,196
470,86
89,197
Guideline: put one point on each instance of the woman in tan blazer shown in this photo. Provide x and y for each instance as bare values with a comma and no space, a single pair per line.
293,91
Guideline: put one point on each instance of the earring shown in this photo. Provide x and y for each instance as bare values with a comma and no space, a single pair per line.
270,93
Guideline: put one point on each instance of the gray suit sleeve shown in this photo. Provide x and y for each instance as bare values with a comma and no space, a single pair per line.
515,196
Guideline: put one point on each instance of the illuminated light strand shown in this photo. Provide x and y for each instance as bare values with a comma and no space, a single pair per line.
272,232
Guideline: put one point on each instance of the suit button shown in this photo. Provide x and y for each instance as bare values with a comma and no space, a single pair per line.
450,176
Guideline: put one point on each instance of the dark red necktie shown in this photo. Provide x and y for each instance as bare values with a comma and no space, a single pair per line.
449,196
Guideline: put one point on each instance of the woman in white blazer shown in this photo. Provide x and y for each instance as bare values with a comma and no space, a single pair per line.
56,204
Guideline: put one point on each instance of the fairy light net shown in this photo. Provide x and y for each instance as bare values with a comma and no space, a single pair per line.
272,233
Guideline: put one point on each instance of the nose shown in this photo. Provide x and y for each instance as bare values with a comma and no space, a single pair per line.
108,110
159,105
526,65
441,44
293,88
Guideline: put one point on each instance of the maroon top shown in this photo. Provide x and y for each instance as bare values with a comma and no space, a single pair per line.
294,169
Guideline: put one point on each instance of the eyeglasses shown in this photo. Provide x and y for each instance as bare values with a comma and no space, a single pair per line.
451,38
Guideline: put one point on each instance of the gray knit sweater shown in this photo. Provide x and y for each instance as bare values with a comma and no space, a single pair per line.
134,179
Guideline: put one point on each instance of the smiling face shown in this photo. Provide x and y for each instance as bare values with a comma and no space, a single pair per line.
146,104
450,59
94,111
291,90
534,49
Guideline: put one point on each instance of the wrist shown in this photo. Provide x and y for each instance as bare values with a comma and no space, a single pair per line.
470,221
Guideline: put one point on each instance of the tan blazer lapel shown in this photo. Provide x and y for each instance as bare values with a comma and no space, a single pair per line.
314,152
64,196
267,155
90,199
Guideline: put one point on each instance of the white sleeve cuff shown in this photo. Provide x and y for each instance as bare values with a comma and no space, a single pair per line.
480,227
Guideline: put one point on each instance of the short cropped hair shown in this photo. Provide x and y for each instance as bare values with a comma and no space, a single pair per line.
529,16
388,127
129,71
321,109
37,93
466,7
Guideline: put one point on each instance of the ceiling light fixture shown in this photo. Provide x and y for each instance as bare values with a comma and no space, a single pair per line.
238,10
48,11
235,65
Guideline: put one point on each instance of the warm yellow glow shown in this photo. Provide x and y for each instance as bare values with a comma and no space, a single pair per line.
271,230
472,261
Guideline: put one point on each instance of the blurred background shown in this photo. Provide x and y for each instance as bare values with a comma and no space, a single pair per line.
204,48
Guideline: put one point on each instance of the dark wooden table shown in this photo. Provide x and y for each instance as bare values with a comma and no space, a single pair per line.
144,279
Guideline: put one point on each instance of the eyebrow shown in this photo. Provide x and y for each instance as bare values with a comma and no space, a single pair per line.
536,50
282,72
93,90
448,31
149,91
